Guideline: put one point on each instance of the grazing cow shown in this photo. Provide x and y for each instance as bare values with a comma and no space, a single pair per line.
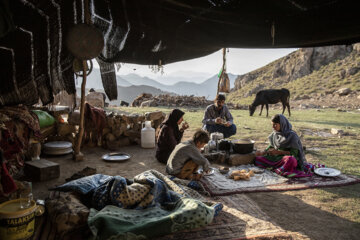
271,96
123,103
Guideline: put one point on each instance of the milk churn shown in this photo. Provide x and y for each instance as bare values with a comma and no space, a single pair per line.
147,135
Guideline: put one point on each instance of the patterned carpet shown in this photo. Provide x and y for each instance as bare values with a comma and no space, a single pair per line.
291,184
241,218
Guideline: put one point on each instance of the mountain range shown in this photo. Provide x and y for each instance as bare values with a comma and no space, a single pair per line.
132,85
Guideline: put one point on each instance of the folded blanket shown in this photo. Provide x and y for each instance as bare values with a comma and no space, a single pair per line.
149,205
118,223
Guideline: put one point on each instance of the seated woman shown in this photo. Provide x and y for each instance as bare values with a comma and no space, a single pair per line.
169,135
186,158
285,153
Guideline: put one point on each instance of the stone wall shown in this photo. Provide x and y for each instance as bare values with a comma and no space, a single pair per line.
148,100
120,130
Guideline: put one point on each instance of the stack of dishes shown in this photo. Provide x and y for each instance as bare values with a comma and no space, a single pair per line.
57,148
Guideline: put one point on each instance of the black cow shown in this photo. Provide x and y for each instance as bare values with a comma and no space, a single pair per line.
271,96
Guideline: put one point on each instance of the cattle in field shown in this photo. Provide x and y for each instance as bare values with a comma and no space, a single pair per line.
271,96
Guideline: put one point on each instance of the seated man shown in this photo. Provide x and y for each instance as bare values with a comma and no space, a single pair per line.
217,118
186,157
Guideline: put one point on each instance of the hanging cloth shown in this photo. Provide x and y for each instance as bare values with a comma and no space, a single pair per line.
224,81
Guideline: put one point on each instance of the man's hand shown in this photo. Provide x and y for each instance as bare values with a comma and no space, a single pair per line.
227,124
218,120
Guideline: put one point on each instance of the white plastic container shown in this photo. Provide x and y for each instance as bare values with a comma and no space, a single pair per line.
147,135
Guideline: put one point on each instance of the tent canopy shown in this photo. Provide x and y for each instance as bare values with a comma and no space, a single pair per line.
37,64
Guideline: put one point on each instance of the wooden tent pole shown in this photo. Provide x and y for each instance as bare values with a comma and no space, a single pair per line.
79,156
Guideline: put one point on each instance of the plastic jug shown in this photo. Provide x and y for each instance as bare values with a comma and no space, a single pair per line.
147,135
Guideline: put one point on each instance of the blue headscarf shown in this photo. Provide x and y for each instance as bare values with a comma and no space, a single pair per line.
287,138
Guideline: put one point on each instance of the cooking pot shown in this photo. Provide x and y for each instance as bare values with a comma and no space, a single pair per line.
243,146
224,145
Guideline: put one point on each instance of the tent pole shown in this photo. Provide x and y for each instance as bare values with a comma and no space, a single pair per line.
78,156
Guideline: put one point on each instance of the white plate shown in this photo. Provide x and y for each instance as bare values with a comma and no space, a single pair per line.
116,157
211,172
327,172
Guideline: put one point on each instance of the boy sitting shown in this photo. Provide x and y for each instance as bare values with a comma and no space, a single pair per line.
186,157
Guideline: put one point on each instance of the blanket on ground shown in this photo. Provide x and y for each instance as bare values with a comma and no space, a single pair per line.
268,181
149,205
118,223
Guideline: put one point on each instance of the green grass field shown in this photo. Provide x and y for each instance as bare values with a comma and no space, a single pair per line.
342,153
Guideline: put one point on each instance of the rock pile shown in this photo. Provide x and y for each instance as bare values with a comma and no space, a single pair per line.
147,100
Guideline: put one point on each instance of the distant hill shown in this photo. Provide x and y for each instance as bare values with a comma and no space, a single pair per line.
306,72
131,85
182,76
94,80
207,88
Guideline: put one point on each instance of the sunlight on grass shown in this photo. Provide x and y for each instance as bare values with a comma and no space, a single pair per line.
341,153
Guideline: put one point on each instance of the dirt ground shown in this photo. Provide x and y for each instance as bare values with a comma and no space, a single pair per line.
294,211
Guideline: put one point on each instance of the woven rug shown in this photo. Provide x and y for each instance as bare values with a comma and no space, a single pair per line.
220,185
241,218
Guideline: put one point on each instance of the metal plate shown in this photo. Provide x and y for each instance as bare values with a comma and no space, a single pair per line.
57,145
327,172
201,171
116,157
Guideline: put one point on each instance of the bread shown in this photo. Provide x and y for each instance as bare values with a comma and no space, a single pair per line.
241,175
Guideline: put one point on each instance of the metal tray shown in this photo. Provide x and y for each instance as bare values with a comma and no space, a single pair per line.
327,172
116,157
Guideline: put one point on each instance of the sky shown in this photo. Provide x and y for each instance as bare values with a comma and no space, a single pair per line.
239,61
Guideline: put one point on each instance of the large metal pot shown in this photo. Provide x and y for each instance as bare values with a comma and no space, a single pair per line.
243,146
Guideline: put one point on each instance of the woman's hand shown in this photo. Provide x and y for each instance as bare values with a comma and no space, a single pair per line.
259,153
184,126
274,152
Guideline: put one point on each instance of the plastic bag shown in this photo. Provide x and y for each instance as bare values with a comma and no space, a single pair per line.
45,119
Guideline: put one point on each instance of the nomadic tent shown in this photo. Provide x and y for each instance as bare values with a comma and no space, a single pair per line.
35,62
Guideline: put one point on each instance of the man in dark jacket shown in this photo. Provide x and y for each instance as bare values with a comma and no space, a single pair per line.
217,118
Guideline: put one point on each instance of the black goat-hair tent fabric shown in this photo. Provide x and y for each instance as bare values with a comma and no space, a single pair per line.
36,64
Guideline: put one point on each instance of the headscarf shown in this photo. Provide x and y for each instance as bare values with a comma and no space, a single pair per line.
171,121
287,138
